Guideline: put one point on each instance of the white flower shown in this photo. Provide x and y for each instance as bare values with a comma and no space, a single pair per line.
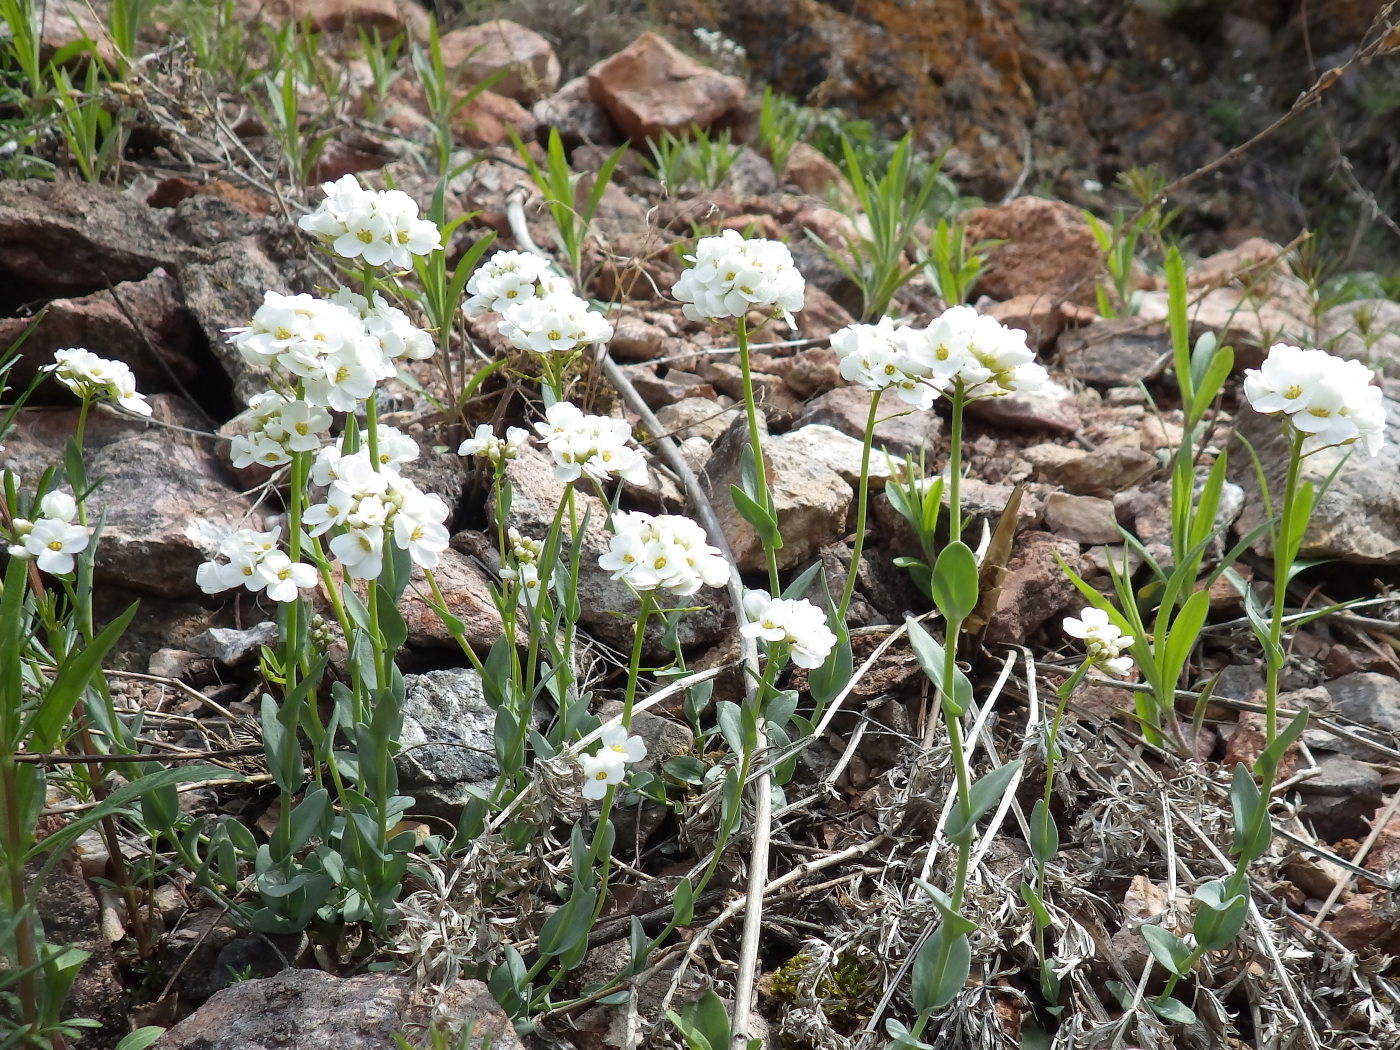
1104,643
255,563
1328,400
664,550
277,427
53,542
505,279
559,322
376,226
486,444
424,540
875,357
629,748
59,506
732,276
793,622
283,578
600,771
361,552
389,325
592,445
95,378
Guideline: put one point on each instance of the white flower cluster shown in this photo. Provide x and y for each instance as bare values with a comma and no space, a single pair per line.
368,506
595,446
1327,399
732,276
488,446
1104,643
523,572
508,279
608,765
95,378
277,427
539,312
795,623
961,346
256,563
877,357
388,325
376,226
325,345
663,550
53,537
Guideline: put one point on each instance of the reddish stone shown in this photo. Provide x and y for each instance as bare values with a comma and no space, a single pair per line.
1048,250
530,67
650,87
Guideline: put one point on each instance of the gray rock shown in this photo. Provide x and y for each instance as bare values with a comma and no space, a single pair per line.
1035,587
810,497
696,417
232,647
901,430
305,1008
1115,353
1357,519
448,740
1049,406
1368,699
1341,798
1103,472
1084,519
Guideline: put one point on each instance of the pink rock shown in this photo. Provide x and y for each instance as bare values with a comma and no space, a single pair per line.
649,87
488,120
476,52
389,17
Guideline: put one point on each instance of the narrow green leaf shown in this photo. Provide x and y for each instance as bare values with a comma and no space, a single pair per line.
1268,762
1039,912
985,794
1044,834
683,902
764,523
1173,1010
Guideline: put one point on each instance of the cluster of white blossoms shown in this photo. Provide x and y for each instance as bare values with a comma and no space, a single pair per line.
1104,643
961,346
539,311
795,623
508,279
1328,400
523,571
662,551
496,450
277,427
254,561
323,344
388,325
95,378
375,226
370,507
608,765
732,276
592,446
53,537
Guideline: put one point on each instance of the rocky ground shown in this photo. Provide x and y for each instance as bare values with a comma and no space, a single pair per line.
153,267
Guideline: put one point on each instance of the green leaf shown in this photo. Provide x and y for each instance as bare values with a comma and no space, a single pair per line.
1268,761
45,725
764,523
955,582
985,793
704,1024
569,925
1173,1010
1185,633
1218,920
688,769
931,658
683,903
940,970
1245,804
1039,912
1168,949
1044,834
141,1038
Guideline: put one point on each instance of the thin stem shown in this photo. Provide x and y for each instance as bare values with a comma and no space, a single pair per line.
760,474
634,666
955,464
863,499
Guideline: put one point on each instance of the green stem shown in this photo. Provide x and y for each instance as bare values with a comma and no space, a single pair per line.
960,770
26,932
863,499
955,464
634,666
760,474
